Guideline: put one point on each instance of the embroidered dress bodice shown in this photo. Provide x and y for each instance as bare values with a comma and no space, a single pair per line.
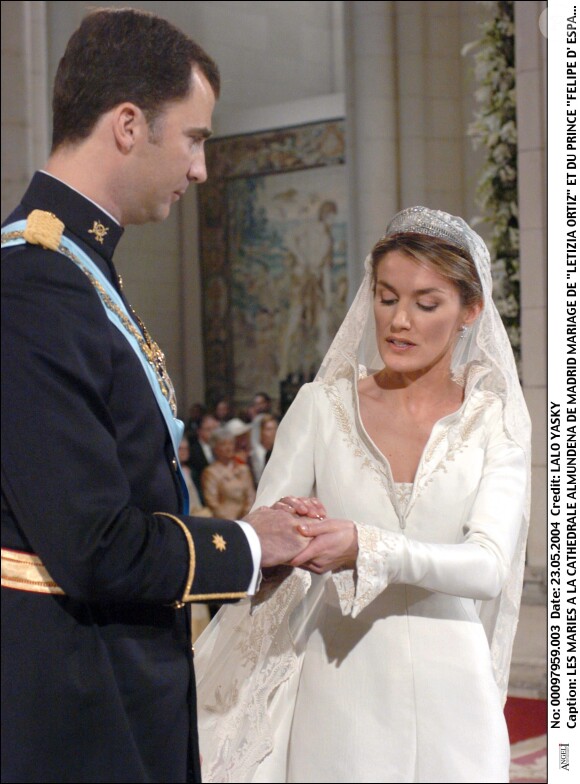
404,491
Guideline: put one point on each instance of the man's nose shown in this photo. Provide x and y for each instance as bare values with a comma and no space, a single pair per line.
198,171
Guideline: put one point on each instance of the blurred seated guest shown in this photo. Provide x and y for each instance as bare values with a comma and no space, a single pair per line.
240,431
196,412
223,410
200,452
196,508
263,449
261,404
227,485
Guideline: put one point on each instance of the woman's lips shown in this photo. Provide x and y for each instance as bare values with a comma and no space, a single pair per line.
400,345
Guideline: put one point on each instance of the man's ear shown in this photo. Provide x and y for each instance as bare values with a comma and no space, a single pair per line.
128,125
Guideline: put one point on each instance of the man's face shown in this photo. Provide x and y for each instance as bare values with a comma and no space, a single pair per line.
261,405
206,428
171,155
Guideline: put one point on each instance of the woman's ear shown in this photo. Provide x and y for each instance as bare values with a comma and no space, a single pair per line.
472,312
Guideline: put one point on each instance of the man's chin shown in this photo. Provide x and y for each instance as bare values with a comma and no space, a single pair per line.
156,216
161,213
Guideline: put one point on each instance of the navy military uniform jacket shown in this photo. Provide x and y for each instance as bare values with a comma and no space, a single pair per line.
98,683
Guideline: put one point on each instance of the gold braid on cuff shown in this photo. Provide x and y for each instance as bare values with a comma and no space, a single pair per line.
187,597
197,597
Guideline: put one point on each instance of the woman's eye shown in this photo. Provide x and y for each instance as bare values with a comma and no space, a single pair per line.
388,301
426,307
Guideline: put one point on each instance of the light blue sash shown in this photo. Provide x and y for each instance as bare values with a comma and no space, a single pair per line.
85,263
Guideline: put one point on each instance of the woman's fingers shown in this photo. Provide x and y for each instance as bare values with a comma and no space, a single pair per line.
334,545
305,507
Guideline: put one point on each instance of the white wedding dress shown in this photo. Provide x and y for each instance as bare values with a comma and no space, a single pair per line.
384,674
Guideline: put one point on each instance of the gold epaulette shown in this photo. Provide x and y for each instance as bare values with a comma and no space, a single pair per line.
44,229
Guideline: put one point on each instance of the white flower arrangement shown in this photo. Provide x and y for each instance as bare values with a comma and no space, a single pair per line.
494,129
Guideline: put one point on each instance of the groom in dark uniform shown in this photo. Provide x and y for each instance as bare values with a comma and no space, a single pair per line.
99,559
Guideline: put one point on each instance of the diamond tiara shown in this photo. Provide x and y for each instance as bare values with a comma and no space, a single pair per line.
434,223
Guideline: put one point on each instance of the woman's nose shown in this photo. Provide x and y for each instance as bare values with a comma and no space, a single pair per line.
400,318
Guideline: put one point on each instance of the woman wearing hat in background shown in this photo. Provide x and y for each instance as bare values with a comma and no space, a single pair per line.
228,487
241,433
385,658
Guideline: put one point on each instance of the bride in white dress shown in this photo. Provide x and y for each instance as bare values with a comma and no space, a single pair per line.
386,657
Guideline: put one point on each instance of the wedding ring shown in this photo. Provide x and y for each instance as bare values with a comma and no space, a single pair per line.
288,506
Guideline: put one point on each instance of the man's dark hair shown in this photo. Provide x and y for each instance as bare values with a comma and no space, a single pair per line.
119,55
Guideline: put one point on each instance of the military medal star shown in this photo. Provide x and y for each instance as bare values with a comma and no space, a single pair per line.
219,542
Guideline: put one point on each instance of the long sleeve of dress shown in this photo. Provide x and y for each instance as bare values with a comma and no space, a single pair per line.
290,469
474,568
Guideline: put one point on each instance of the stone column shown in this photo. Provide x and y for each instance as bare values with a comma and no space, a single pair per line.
25,135
371,112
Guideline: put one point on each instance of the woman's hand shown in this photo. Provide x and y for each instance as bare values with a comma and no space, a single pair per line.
304,507
334,546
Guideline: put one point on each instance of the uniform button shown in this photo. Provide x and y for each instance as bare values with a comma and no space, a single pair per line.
174,464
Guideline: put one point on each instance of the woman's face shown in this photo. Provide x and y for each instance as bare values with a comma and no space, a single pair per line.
418,314
224,450
242,443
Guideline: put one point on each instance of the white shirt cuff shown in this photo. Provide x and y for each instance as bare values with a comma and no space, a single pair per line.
256,550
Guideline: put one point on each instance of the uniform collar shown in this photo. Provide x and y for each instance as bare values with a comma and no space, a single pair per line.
82,217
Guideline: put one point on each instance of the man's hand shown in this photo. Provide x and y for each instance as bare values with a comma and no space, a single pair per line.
280,539
334,546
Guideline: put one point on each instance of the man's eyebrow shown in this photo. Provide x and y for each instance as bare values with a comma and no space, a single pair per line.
203,132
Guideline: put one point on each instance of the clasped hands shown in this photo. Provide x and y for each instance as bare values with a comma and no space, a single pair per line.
297,532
